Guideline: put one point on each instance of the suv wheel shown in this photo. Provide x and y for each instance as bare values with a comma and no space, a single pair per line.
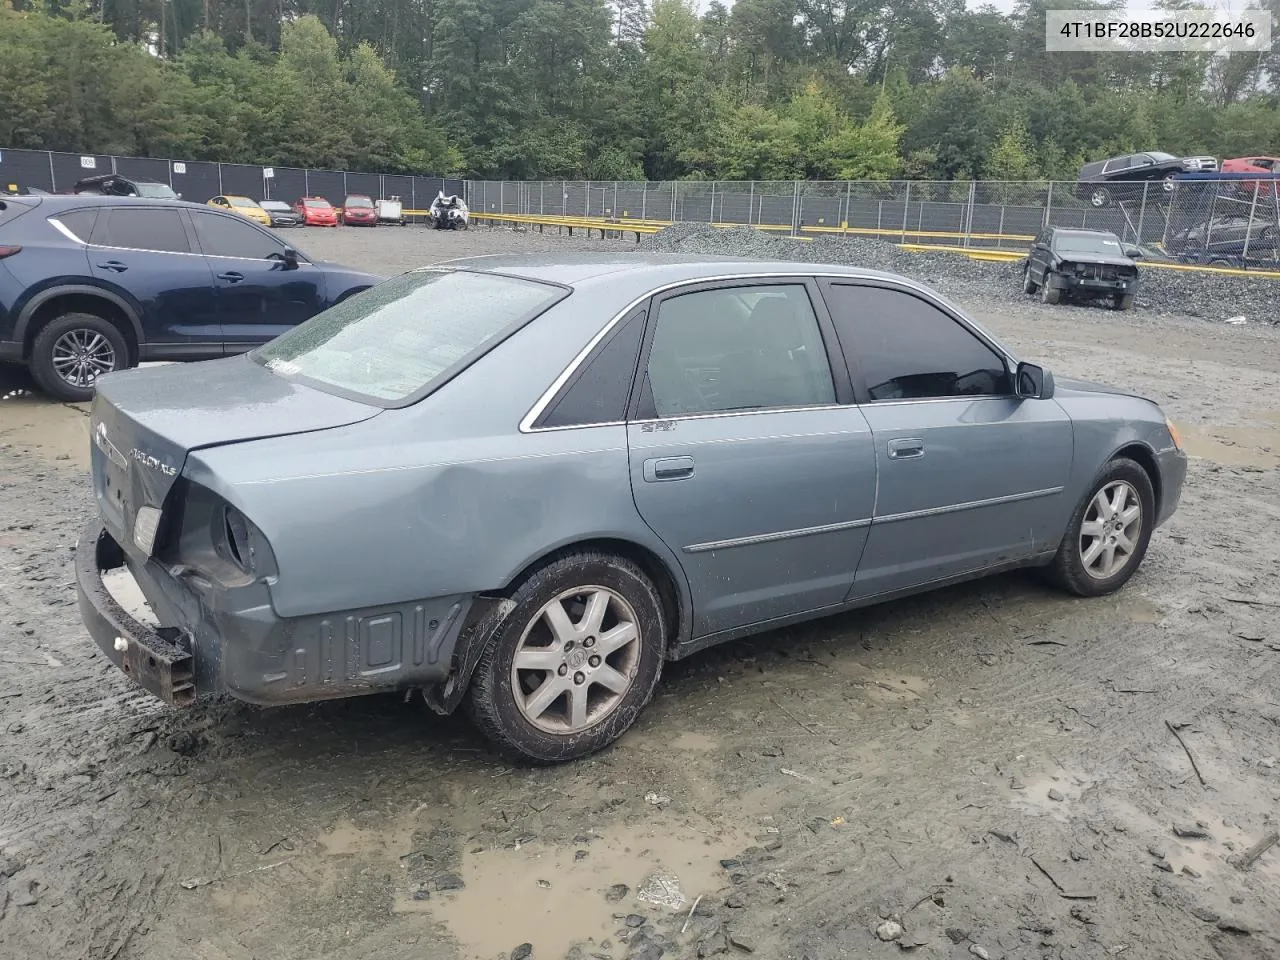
1124,301
72,351
1108,533
1048,292
1028,285
575,661
1100,197
1168,183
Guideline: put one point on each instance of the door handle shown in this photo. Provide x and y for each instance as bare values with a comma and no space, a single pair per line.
114,265
906,449
231,277
668,468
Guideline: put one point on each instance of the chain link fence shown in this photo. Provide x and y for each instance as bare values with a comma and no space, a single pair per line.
200,180
986,214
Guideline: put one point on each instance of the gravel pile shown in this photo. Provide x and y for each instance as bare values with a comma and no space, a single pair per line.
1201,295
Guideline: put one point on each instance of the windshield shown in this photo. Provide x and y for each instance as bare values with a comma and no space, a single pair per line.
1107,244
316,204
241,202
157,190
278,205
396,338
359,202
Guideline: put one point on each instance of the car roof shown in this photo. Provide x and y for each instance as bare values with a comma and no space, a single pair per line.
239,196
64,201
572,269
1074,232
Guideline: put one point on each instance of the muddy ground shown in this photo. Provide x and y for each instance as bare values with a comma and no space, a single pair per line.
990,766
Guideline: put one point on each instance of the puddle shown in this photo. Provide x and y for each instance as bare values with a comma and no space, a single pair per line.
547,896
696,742
1141,611
54,430
1235,446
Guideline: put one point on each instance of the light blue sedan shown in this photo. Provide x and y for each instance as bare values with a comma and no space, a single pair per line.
525,483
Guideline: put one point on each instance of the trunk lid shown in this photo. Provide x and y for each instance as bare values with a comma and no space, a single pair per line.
144,423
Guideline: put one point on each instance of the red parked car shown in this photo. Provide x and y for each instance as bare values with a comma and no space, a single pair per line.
317,212
1261,165
359,211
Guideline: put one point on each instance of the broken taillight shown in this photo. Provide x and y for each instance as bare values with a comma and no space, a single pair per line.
9,251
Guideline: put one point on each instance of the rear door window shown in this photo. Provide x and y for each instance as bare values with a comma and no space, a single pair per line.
79,222
141,228
406,335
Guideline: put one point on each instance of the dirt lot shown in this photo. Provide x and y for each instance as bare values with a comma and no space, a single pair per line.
990,766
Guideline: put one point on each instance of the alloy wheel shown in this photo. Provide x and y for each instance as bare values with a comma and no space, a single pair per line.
576,660
1111,530
82,355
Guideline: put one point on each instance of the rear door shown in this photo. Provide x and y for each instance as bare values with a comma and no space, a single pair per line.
970,476
147,254
746,457
259,297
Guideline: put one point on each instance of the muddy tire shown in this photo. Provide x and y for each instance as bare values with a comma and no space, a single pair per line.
1049,293
72,351
1028,285
1108,533
571,666
1124,302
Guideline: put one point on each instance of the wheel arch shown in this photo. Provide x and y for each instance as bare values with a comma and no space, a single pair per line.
78,298
1145,457
672,587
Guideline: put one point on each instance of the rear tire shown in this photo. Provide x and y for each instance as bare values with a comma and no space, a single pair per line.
1094,536
72,351
1049,293
596,601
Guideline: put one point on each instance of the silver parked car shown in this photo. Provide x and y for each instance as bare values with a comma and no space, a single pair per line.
524,483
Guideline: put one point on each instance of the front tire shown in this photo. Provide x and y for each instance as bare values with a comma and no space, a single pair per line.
575,661
1028,285
1108,533
1048,292
1124,302
72,351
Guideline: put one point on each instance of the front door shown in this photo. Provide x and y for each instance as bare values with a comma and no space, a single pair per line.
743,458
970,475
146,256
259,296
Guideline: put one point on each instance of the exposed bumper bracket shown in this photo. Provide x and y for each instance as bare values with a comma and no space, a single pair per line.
159,661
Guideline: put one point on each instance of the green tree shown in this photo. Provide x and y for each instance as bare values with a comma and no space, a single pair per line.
1012,156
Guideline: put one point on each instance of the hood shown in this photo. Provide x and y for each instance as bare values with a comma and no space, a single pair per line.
144,423
1068,385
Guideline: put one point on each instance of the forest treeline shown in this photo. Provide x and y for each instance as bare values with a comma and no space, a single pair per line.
626,90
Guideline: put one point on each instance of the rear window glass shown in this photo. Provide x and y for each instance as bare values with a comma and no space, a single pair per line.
359,202
317,204
396,338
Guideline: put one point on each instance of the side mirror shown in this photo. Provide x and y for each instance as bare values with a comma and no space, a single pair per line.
1133,253
290,258
1032,382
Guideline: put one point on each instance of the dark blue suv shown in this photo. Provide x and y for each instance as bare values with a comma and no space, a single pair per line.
93,284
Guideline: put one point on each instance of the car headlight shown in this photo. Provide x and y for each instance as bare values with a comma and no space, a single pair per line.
145,525
1173,433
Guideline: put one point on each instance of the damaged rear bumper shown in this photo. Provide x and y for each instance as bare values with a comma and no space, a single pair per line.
159,661
220,640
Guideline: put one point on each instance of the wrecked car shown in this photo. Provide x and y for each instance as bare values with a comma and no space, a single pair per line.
679,454
1081,264
449,212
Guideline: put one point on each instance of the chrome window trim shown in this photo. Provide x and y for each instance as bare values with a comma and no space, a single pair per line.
63,229
900,283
